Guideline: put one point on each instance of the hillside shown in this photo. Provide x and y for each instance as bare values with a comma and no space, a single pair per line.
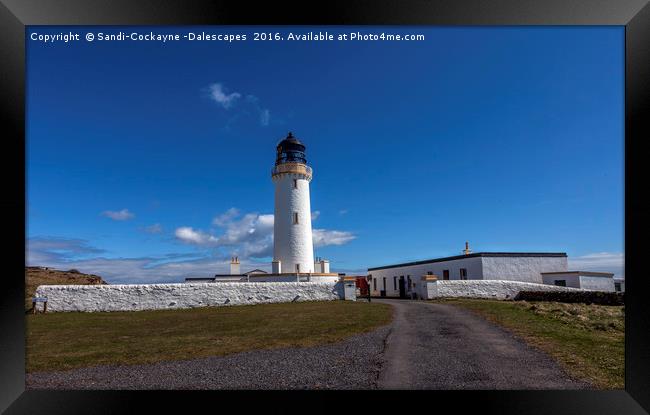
35,276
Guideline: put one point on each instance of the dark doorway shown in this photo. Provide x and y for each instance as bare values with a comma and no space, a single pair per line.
402,287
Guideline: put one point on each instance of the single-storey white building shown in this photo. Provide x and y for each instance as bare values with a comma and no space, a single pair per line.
597,281
399,280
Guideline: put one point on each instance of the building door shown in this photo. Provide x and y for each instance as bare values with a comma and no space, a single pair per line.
402,287
383,292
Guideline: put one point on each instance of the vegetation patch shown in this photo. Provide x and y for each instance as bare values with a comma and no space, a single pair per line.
587,340
61,341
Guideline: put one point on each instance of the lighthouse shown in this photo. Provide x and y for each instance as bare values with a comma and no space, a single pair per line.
293,249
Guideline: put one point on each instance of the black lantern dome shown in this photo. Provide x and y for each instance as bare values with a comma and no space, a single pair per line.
290,150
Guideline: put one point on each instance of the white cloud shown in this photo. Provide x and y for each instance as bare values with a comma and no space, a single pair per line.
155,228
189,235
315,214
219,95
226,217
343,211
265,117
123,214
165,268
600,262
251,234
324,237
249,105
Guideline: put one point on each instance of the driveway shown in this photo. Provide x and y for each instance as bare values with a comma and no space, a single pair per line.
440,346
427,346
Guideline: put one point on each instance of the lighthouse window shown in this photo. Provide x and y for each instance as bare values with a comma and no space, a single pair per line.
295,218
295,183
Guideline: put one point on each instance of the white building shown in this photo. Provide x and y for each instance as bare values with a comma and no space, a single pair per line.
597,281
399,280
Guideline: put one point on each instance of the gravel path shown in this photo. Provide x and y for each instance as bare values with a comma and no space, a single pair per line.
351,364
427,346
439,346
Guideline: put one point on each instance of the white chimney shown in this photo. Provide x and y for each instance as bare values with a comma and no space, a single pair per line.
325,266
234,266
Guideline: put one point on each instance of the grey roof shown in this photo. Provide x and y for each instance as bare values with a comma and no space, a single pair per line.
588,273
256,271
474,255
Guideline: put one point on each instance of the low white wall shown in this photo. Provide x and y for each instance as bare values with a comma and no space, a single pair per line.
502,290
136,297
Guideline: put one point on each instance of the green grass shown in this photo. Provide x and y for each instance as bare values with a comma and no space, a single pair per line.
587,340
61,341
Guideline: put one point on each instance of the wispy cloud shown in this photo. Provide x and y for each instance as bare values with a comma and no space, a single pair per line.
249,104
123,214
219,95
173,267
189,235
265,117
315,214
225,218
250,235
343,212
324,237
600,261
155,228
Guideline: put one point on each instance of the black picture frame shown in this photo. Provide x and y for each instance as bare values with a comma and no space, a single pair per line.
15,15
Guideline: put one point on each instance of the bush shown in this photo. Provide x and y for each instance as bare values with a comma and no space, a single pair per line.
74,271
587,297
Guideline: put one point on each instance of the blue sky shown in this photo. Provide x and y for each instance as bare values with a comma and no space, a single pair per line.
150,161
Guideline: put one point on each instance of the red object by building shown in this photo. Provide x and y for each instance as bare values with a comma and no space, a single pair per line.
362,285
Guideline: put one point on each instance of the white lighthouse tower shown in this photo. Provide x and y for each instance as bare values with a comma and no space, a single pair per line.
293,249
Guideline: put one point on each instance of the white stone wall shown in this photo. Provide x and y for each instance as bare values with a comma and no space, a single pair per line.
501,290
136,297
528,269
292,243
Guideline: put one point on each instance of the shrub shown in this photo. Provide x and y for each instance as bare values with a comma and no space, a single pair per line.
587,297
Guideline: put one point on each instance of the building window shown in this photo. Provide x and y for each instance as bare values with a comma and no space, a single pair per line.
429,273
395,283
295,218
561,283
297,267
374,285
384,281
295,183
445,274
463,273
617,286
408,279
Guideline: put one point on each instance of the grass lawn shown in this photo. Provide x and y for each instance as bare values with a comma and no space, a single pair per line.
588,340
60,341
